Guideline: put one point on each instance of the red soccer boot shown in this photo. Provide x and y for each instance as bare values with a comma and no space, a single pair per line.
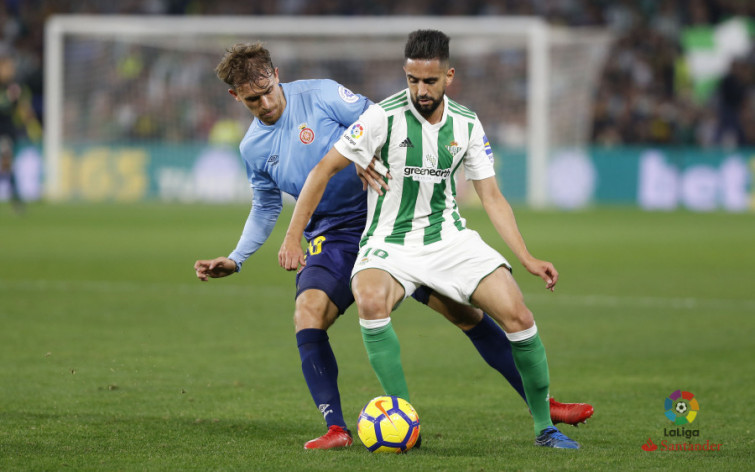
335,437
570,413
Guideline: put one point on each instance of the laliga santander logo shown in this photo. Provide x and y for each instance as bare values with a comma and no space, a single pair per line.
356,131
649,446
681,407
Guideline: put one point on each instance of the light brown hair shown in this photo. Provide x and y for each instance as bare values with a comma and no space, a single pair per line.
245,63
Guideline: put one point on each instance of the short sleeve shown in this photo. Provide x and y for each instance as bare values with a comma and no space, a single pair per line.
363,138
342,104
478,161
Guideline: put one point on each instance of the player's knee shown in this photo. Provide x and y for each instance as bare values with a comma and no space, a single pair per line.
520,318
372,304
309,318
311,312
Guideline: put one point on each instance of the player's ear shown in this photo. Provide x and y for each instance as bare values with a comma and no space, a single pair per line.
234,94
450,76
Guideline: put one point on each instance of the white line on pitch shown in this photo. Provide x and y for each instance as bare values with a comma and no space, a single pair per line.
642,301
220,287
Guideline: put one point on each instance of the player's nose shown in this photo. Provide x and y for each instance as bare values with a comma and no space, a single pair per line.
267,102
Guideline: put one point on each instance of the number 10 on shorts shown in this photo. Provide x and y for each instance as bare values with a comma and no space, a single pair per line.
375,252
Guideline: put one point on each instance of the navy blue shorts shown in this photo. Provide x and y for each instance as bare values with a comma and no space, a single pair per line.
330,258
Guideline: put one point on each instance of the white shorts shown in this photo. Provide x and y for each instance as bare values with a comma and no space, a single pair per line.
453,267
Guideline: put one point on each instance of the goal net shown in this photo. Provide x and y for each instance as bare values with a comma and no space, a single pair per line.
134,110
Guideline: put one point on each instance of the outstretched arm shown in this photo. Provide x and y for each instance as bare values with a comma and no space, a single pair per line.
291,254
502,216
262,217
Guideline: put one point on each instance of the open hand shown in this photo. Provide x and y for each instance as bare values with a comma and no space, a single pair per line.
545,270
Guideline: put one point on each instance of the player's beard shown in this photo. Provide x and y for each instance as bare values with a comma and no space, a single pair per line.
427,110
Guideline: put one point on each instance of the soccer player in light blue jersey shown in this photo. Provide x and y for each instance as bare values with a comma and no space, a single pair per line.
294,126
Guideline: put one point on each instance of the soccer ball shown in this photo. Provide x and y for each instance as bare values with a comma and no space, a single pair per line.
681,408
388,424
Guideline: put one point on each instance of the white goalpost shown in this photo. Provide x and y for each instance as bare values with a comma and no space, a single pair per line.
145,86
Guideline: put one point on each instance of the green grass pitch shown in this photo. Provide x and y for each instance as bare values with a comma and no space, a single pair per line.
114,357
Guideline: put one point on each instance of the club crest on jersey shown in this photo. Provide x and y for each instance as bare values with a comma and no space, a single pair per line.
347,95
306,135
453,148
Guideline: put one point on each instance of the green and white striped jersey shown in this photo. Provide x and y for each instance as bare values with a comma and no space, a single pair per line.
420,206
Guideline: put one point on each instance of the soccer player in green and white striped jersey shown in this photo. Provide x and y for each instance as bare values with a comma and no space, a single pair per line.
415,234
420,208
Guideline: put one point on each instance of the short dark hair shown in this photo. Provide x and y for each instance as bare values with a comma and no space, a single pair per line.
427,44
245,63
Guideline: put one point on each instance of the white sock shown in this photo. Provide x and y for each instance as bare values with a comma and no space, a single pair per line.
520,336
374,324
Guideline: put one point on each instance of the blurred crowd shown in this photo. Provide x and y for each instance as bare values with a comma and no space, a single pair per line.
644,96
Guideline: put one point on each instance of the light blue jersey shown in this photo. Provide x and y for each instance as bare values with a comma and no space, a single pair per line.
279,157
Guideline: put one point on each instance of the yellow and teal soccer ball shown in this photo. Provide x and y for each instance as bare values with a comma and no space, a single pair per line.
388,424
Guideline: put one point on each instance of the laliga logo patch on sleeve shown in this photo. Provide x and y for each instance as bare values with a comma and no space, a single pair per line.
353,133
356,131
347,95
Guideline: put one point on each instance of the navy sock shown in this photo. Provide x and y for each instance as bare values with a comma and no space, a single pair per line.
318,364
493,345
